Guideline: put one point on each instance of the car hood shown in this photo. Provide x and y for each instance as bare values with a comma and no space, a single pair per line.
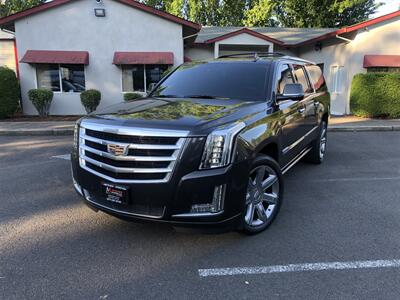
197,116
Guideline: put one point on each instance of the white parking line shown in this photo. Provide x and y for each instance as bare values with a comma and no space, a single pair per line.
64,156
367,264
351,179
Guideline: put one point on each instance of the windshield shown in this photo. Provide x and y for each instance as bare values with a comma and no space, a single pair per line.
223,80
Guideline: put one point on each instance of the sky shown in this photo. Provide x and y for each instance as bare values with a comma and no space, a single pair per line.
387,7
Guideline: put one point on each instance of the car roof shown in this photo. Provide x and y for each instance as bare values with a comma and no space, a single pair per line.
262,56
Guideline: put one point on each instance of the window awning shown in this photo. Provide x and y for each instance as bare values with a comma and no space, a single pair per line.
381,61
143,58
56,57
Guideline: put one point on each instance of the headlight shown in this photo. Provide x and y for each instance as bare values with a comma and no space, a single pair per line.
76,135
218,149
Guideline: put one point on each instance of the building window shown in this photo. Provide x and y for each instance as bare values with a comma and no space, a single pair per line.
138,78
336,76
61,78
383,69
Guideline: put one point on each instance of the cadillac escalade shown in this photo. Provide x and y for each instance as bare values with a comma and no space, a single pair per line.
208,145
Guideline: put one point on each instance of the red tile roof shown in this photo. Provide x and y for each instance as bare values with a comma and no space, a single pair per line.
55,57
244,30
352,28
132,3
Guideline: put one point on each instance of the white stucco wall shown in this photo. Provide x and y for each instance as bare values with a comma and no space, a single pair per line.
208,52
200,53
73,26
381,38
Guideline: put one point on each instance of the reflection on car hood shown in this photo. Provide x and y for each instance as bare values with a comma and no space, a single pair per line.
176,113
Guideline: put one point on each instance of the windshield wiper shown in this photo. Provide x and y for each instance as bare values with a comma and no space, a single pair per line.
167,96
204,97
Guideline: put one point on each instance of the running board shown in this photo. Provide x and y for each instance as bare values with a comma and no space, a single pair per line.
295,160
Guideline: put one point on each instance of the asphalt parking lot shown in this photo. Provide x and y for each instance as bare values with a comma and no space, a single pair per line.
346,210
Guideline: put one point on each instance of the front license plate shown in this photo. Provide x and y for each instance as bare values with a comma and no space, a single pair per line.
115,193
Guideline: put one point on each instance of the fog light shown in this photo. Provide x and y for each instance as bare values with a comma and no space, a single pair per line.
217,204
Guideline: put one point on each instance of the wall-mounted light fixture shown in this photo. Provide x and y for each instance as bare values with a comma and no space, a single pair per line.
100,12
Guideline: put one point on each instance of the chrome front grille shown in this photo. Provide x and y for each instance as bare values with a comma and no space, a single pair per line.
129,155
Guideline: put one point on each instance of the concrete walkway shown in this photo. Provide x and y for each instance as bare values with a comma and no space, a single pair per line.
347,123
37,128
351,123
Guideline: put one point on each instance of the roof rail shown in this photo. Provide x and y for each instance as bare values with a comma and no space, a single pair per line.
254,54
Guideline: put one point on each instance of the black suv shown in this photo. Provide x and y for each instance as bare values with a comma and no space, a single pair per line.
208,146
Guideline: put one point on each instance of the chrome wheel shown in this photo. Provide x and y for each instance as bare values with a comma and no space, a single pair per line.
323,139
262,196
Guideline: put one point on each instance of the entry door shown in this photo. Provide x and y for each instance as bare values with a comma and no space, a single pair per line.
292,118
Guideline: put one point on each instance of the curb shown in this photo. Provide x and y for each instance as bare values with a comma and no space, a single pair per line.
67,132
37,132
363,128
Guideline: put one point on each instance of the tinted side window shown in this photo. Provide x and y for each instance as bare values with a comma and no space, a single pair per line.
316,77
285,76
301,78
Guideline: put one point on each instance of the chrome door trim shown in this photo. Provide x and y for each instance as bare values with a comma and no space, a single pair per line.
290,147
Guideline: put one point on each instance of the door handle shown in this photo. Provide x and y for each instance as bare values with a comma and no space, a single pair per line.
301,110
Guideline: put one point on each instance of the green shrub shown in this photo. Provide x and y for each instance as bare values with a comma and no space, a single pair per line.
9,92
41,99
376,95
90,100
132,96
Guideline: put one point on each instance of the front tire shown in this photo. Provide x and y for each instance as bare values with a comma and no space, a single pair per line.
263,196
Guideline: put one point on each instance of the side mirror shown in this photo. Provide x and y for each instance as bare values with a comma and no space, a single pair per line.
292,91
151,87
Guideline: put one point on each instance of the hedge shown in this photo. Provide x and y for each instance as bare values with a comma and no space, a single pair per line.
90,100
376,95
132,96
9,92
41,99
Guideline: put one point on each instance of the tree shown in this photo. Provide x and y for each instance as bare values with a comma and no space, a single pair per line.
290,13
323,13
9,7
260,14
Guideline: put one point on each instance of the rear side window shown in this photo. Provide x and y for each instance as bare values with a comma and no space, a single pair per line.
285,77
316,77
301,78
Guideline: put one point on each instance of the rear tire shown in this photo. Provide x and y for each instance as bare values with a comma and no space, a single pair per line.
318,146
264,195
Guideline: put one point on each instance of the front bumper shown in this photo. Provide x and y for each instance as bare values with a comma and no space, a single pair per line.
171,202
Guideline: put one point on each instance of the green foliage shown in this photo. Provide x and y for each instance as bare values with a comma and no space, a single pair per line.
290,13
132,96
9,92
376,95
260,14
41,99
9,7
326,13
90,99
